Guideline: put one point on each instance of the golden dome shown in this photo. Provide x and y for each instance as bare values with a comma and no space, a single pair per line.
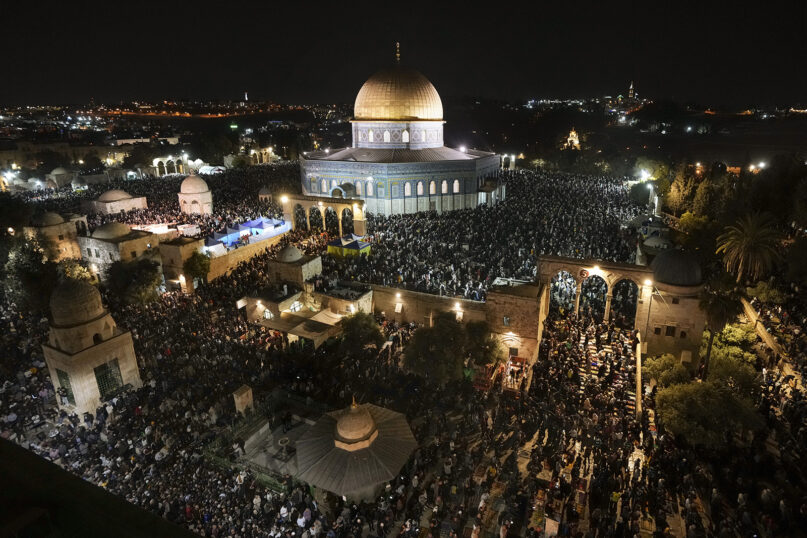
398,94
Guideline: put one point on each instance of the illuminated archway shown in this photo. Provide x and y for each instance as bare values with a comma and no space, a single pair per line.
624,300
562,293
593,294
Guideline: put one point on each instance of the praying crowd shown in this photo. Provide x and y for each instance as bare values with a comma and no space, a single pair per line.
567,446
460,253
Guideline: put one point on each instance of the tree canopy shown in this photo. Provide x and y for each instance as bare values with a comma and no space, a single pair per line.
196,266
135,282
359,330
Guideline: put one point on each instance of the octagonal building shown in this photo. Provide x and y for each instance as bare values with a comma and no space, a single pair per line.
398,163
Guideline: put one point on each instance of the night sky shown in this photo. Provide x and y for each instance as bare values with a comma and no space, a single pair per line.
734,55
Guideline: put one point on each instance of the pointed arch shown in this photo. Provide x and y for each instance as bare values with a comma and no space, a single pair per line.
407,189
405,137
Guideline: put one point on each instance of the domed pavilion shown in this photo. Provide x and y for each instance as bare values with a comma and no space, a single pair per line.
195,197
355,451
89,357
398,163
115,201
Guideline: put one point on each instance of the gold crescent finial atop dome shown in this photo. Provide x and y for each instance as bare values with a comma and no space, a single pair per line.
397,52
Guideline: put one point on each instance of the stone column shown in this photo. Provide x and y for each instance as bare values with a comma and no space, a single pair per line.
339,220
308,219
606,316
577,300
359,226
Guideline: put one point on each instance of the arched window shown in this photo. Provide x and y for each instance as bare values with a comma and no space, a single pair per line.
314,185
358,188
405,137
407,189
369,189
386,136
420,188
380,190
395,190
432,188
456,186
444,187
423,135
370,135
323,186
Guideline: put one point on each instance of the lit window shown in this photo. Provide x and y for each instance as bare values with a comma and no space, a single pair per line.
358,188
407,189
64,383
456,186
444,188
380,190
324,186
405,137
370,135
267,314
386,136
432,188
296,306
398,307
420,188
369,189
506,321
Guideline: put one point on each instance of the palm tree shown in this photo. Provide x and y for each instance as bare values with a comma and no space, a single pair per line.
721,307
750,246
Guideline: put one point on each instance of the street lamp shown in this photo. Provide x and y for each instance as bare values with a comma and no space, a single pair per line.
284,199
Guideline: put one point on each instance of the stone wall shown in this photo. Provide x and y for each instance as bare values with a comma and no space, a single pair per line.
422,307
515,318
80,367
222,265
675,322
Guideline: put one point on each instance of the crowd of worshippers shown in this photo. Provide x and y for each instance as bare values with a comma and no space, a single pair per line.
575,421
235,198
460,253
787,323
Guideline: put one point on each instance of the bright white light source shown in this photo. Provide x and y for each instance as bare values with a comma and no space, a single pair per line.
644,175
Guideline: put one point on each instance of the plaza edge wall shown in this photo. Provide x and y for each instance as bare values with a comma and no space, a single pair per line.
422,307
222,265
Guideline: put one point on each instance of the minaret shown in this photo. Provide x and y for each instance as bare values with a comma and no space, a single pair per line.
397,52
630,90
246,97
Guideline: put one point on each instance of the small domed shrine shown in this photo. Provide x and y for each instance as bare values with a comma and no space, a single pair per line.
355,451
90,358
114,201
195,197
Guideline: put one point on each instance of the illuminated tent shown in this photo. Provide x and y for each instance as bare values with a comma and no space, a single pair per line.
348,245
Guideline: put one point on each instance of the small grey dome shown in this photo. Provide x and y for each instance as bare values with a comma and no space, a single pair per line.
75,302
676,268
289,254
